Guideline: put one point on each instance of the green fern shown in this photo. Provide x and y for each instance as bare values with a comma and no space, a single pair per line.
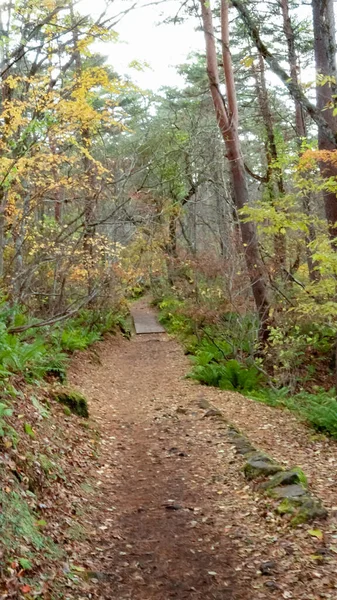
229,376
208,374
240,378
203,358
78,339
4,412
317,410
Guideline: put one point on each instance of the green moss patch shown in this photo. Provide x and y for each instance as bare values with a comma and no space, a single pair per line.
260,465
74,401
19,526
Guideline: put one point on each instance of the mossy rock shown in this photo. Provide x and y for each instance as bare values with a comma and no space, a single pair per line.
286,507
309,509
303,509
294,490
241,443
260,465
303,480
284,478
76,402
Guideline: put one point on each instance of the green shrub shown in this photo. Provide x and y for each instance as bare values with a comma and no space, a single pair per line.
209,374
39,352
173,318
32,359
228,376
215,350
317,410
77,339
240,377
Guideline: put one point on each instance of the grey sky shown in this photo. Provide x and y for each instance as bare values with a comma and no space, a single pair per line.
142,38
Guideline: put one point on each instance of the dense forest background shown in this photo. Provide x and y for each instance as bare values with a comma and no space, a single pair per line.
218,197
216,202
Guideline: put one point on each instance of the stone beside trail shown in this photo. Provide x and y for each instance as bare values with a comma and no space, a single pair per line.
172,515
289,486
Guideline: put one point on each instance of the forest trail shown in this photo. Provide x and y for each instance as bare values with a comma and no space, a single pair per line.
171,515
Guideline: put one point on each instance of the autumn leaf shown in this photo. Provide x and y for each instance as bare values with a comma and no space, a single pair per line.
317,533
25,589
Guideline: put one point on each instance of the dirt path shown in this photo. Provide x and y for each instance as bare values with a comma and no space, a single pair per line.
172,516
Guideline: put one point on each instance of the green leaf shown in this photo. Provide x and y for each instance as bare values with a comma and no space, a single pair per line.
41,523
29,430
25,564
317,533
78,569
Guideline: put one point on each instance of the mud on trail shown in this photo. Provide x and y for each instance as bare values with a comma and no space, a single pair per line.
171,515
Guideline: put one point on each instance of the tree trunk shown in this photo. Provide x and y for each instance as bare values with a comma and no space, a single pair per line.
294,89
301,131
325,61
228,123
293,65
90,200
275,182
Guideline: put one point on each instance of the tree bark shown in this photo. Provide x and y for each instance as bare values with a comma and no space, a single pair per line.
228,123
301,131
294,89
294,67
325,61
275,182
90,200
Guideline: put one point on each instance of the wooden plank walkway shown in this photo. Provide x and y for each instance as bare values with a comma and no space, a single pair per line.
145,320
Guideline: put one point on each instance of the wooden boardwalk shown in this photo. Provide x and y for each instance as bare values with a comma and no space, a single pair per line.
145,320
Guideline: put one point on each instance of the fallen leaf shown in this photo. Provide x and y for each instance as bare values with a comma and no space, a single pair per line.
25,589
317,533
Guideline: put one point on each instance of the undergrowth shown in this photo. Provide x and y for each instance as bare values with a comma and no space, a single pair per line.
319,410
33,443
220,352
39,352
223,356
19,526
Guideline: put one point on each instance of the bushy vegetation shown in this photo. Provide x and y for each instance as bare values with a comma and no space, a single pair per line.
39,352
222,351
318,410
224,354
231,375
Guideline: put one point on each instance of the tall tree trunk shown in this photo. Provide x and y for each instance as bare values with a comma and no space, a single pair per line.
294,67
274,172
228,123
6,94
294,90
325,61
301,131
90,201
